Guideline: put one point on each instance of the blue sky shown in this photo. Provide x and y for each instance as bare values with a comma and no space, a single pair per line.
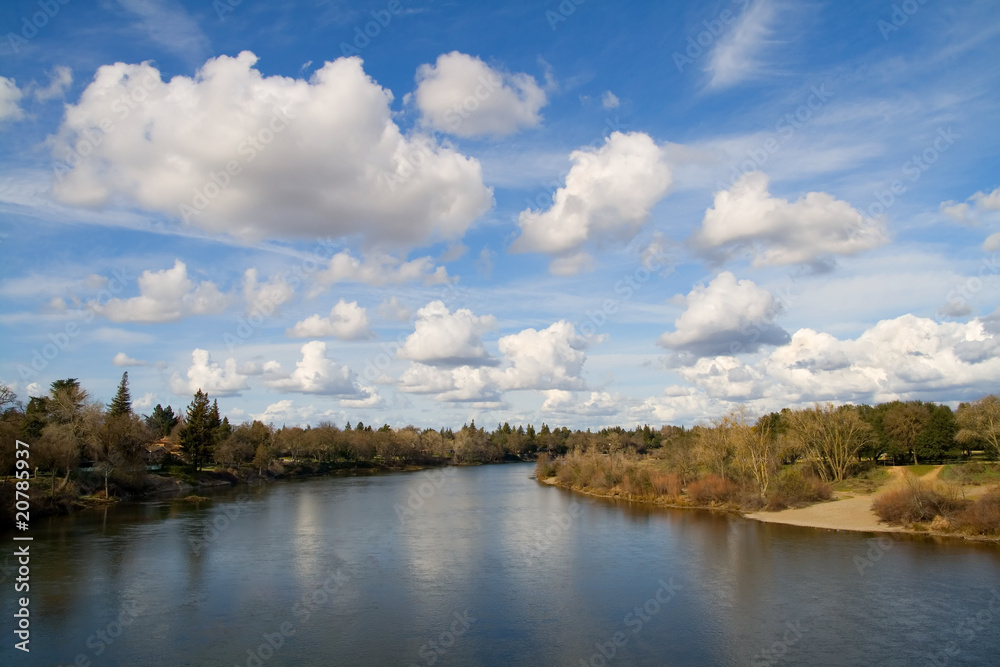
419,212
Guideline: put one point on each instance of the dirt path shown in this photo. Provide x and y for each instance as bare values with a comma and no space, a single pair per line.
933,474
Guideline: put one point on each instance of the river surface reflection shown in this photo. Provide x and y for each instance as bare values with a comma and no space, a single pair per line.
487,567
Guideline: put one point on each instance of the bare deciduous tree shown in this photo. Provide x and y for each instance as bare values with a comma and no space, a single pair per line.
831,437
756,447
980,422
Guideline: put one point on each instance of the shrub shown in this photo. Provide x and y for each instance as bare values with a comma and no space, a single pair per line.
796,486
636,481
544,467
565,473
981,517
665,484
711,488
916,501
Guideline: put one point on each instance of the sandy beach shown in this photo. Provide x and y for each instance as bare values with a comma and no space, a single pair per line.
848,510
852,511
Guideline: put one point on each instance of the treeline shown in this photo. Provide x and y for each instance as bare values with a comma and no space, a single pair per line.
68,431
779,459
71,434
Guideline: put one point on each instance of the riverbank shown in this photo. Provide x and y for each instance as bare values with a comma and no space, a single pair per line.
85,490
845,512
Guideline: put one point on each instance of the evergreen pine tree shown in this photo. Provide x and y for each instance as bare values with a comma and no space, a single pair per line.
213,416
162,421
122,403
198,436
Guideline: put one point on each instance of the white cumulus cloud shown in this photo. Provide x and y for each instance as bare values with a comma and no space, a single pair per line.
286,413
443,338
972,209
463,96
315,374
165,296
463,384
551,358
747,219
347,321
906,358
212,378
546,359
594,404
608,195
122,359
265,297
378,269
144,402
59,82
394,309
727,316
235,152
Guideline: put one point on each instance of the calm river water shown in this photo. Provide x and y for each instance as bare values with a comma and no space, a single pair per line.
487,567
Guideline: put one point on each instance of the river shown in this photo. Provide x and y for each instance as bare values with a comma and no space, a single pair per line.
484,566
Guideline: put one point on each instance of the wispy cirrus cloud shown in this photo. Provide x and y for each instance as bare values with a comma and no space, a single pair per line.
739,54
169,25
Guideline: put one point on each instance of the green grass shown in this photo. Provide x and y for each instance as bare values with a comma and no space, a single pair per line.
868,481
976,472
920,470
